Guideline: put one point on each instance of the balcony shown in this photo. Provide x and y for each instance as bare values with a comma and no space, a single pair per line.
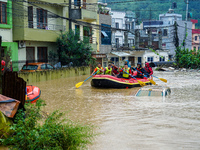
36,32
87,14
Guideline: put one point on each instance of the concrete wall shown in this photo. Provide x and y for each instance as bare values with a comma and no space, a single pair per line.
54,74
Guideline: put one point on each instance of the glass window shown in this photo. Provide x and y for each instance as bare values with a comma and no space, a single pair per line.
105,34
150,59
30,67
44,66
49,66
30,16
195,38
3,13
117,25
41,18
165,31
162,58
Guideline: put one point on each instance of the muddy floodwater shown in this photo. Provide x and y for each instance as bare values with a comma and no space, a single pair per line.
129,122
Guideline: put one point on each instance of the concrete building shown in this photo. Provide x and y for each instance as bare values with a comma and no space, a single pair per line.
184,27
6,29
195,36
36,28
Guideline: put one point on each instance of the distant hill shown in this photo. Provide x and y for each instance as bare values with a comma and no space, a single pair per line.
142,8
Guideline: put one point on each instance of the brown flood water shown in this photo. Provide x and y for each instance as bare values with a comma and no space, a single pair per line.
129,122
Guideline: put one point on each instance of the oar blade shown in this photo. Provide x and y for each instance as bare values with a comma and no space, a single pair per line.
141,83
79,84
153,82
164,80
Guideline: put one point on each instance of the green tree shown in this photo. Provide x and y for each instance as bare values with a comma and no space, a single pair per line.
72,49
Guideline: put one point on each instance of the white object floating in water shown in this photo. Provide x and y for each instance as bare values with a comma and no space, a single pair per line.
153,91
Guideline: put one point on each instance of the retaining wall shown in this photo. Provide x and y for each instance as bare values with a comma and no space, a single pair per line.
39,76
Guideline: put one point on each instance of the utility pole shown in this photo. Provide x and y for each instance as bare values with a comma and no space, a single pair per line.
176,42
70,22
186,17
160,39
137,39
149,37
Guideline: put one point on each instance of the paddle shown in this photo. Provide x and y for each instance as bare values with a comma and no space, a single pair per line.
140,82
162,79
80,83
153,82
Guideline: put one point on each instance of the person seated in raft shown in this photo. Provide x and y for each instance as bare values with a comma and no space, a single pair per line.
108,70
98,69
125,72
115,69
148,70
140,69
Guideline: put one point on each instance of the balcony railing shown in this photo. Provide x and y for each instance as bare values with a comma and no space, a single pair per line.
36,25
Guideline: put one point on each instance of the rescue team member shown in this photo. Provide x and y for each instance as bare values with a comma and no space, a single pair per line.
98,69
148,69
108,70
115,69
141,70
125,72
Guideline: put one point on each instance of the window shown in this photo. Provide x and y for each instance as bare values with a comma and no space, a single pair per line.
42,54
41,18
199,48
77,28
30,16
77,2
169,22
87,33
165,32
117,25
150,59
3,13
133,26
195,38
105,34
127,26
162,58
46,66
131,42
194,48
117,42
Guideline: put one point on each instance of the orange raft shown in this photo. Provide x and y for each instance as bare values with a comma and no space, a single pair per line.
33,94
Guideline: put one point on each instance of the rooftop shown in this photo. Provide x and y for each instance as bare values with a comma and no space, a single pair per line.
195,31
194,21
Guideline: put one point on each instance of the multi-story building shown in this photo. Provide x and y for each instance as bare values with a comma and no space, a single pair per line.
6,28
37,25
195,36
184,28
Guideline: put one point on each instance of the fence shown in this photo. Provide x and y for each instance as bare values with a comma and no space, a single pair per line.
13,86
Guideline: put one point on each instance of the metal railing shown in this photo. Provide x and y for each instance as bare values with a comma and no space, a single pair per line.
36,25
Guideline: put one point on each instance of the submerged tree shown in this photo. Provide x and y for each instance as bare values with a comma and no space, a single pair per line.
71,49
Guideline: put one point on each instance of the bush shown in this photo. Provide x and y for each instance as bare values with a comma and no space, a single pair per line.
188,58
54,133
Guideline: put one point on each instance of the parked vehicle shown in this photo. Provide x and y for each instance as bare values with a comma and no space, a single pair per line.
32,67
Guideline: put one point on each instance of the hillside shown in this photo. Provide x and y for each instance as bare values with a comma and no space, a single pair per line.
142,8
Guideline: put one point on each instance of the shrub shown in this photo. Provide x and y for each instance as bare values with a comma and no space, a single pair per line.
54,133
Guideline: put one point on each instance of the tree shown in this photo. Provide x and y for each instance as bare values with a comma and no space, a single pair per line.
71,49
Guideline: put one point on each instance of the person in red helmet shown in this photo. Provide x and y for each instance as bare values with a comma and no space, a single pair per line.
148,69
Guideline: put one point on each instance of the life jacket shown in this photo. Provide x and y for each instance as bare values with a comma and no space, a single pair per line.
139,69
108,71
126,73
98,70
115,70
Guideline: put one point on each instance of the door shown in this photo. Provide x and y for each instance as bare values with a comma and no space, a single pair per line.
30,54
139,59
42,54
132,61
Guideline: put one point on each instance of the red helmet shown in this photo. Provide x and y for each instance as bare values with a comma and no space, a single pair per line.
3,63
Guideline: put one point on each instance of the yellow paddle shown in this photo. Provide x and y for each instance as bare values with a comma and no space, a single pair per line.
140,82
162,79
80,83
